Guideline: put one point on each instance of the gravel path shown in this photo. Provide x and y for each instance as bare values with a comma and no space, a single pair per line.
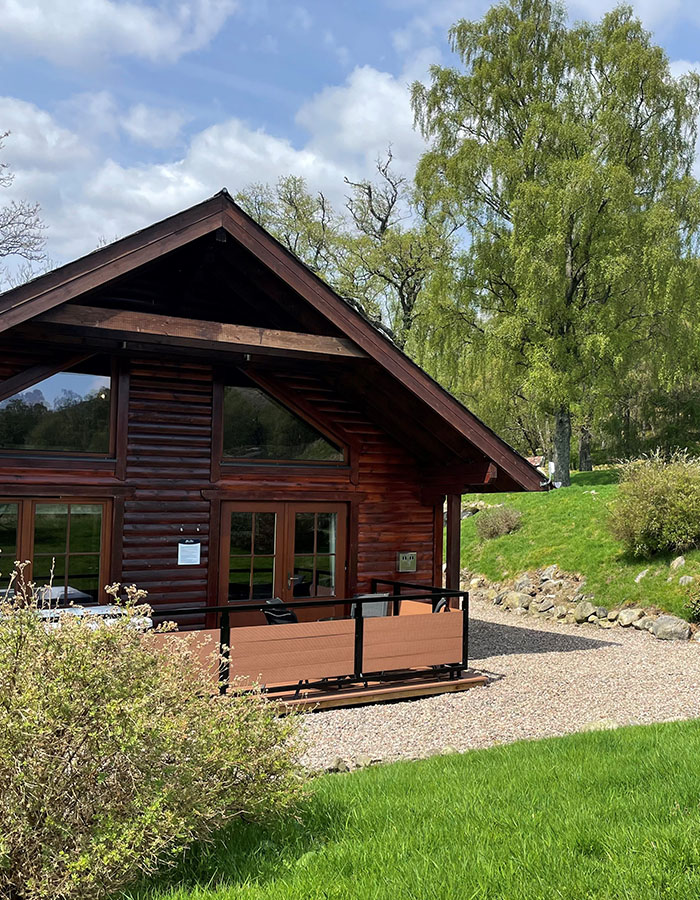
545,679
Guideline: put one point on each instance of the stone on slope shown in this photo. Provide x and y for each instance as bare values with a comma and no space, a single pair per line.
671,628
583,610
627,616
677,563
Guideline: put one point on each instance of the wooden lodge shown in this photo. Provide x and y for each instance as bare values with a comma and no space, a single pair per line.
192,410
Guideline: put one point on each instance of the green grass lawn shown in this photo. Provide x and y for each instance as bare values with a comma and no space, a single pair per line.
613,814
569,527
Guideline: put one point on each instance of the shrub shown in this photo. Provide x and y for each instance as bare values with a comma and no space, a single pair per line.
657,508
115,753
497,521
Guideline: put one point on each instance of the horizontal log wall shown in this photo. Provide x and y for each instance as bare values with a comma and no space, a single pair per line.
164,484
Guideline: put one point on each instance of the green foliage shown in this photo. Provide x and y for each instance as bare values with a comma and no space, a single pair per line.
115,755
657,509
565,152
570,527
609,814
495,522
692,605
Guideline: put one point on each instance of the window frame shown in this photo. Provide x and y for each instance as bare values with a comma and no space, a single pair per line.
221,463
99,460
26,516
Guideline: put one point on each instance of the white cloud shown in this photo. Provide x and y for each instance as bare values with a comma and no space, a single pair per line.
155,127
37,142
73,32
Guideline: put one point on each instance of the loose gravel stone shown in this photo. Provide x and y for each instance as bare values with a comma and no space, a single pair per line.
545,678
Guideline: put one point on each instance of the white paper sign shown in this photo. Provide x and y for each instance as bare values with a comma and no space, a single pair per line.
189,553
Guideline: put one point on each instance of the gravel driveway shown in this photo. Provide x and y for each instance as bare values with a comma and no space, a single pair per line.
544,679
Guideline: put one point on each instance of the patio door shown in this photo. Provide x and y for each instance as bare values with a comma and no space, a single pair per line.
294,551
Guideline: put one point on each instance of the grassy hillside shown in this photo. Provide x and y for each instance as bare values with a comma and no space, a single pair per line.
569,527
612,815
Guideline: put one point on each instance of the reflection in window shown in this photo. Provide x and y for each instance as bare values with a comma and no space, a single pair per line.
252,556
67,544
314,554
69,412
257,427
9,521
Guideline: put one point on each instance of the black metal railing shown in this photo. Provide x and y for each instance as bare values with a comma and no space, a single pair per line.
420,593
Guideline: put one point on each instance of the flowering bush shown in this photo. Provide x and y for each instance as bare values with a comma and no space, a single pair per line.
115,752
657,508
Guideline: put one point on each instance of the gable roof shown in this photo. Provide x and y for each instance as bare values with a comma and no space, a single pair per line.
220,211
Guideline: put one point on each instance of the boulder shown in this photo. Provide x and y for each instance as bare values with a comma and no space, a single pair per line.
523,584
362,761
549,573
670,628
561,611
583,610
605,623
500,597
613,614
338,765
685,580
545,605
644,624
641,575
516,600
520,611
601,612
677,563
627,616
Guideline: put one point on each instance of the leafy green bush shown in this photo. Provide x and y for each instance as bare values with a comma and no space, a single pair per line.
497,521
115,753
657,508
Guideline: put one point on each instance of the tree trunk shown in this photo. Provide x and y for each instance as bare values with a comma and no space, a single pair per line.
562,446
585,462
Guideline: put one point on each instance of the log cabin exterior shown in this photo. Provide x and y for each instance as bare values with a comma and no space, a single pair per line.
216,425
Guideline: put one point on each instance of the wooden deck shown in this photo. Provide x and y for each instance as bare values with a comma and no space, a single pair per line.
413,686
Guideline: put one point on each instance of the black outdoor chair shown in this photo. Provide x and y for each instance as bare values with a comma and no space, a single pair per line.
277,613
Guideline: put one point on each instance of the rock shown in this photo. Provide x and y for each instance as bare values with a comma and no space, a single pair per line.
627,616
601,725
670,628
516,599
560,611
696,637
685,580
545,605
549,573
601,612
362,761
593,619
644,624
338,765
605,623
677,563
490,594
520,611
449,749
500,597
583,610
524,584
613,614
641,575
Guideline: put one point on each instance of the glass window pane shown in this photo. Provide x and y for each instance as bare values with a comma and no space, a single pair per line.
69,411
303,576
325,574
304,532
263,577
239,578
41,570
83,578
9,515
241,532
257,427
265,532
325,539
50,528
85,528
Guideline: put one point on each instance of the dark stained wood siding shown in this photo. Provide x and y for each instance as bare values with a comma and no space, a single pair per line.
168,466
165,482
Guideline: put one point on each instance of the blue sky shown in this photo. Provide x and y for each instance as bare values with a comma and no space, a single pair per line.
124,111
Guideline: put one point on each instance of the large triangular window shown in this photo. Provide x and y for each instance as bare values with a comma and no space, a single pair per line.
257,427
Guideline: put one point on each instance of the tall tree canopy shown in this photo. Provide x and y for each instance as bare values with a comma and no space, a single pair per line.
567,152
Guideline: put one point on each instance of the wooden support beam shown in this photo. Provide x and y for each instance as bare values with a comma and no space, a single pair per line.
454,524
458,479
175,331
27,378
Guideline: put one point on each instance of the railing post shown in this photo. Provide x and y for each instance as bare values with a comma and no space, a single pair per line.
359,639
454,522
465,632
224,640
396,592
